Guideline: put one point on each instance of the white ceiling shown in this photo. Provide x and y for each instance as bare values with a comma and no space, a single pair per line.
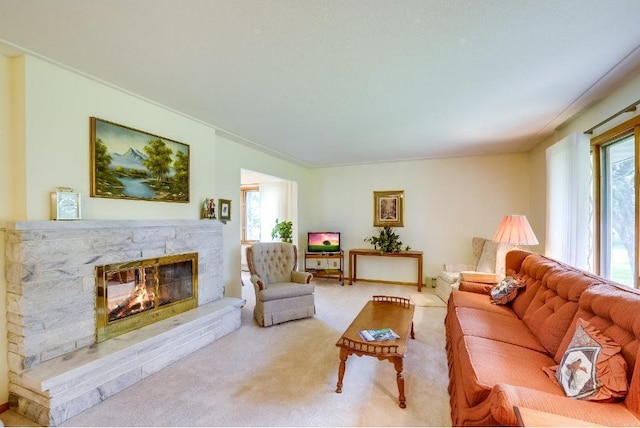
337,82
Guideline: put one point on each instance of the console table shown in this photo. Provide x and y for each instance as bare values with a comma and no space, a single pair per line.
353,262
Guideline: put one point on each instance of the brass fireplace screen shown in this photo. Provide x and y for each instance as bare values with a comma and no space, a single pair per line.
133,294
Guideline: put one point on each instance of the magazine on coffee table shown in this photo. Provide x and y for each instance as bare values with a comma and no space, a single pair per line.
378,334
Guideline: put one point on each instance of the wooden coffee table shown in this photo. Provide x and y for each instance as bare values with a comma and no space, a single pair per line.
380,312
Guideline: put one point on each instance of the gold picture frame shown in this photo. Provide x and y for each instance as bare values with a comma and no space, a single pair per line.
130,164
388,208
224,209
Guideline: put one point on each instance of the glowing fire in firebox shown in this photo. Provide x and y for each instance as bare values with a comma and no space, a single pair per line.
129,297
141,297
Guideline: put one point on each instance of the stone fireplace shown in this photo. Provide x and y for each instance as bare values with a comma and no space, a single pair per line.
59,365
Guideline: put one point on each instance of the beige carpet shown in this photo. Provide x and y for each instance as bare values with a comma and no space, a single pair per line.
285,375
426,299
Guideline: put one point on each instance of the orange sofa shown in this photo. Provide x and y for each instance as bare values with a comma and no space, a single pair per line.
496,353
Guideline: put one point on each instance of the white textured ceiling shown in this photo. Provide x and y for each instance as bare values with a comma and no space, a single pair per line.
336,82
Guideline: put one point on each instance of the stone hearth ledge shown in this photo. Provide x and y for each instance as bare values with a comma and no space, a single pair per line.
59,389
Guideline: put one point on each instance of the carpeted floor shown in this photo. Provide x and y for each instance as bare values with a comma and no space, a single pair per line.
427,299
285,375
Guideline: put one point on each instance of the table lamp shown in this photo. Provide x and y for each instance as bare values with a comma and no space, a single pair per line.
515,229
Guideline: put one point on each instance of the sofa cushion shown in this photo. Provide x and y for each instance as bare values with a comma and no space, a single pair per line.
486,362
551,312
532,270
285,290
494,326
592,367
461,299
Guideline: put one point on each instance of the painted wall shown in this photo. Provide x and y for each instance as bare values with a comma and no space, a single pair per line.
622,97
233,157
6,207
447,202
58,106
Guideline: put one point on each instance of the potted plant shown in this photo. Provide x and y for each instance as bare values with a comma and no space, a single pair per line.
283,230
387,241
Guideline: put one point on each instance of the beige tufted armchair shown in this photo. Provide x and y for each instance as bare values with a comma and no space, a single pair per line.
282,292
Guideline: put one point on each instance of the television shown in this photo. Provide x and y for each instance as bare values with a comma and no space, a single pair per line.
323,242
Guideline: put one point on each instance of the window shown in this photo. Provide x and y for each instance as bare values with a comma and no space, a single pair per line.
250,196
618,210
615,165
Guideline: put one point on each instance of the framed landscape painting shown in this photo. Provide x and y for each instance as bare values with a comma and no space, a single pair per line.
130,164
388,208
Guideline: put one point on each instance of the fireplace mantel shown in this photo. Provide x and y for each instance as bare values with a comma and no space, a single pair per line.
51,297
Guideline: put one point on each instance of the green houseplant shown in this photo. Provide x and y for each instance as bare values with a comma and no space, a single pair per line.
283,230
387,241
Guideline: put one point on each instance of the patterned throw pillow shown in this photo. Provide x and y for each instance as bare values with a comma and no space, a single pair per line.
592,367
506,290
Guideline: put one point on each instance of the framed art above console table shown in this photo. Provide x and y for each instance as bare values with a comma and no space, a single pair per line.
388,208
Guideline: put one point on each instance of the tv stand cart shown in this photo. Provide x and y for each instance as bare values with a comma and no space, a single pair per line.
329,265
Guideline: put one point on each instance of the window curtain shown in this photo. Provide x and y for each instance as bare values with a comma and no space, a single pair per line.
568,236
277,201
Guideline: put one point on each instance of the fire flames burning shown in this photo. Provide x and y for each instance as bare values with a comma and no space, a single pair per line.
140,296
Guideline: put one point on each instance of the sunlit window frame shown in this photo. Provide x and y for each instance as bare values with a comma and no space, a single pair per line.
625,129
243,190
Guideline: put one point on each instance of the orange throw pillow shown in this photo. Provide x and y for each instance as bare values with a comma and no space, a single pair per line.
592,367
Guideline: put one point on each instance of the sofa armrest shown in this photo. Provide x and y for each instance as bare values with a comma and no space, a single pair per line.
257,282
475,287
504,397
301,277
484,277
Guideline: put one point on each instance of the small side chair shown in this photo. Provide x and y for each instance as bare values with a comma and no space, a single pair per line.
282,293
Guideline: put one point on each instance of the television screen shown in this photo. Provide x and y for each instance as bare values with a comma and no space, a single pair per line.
323,242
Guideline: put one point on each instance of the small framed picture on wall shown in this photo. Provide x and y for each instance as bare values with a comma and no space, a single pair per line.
224,209
388,208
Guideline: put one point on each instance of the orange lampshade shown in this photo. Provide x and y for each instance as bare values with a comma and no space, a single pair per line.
515,229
